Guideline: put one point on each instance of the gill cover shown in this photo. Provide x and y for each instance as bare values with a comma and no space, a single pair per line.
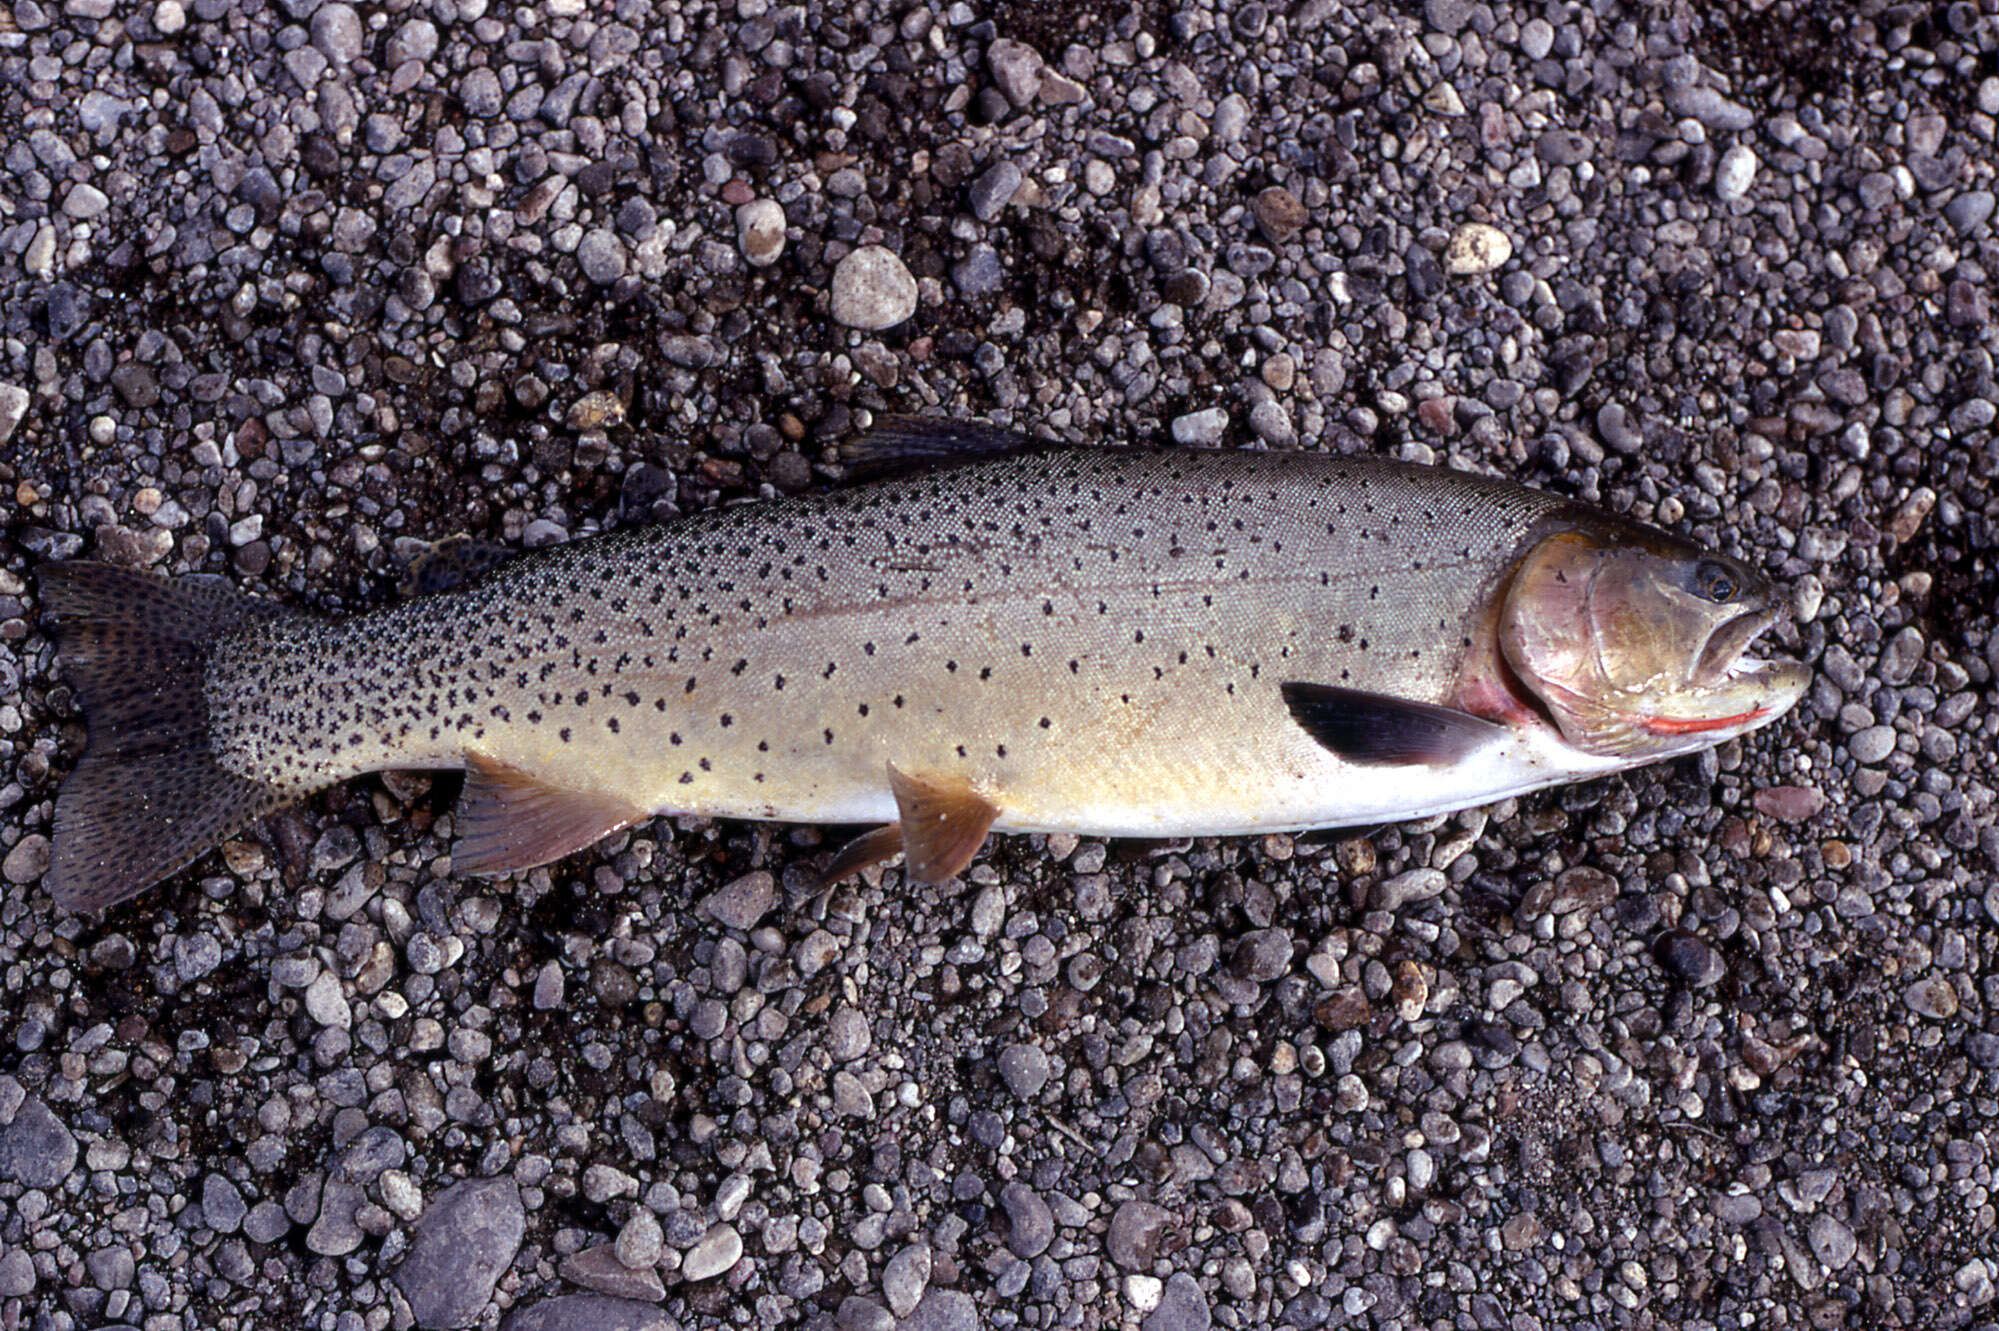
1635,645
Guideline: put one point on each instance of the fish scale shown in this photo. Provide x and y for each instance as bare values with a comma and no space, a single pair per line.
1100,641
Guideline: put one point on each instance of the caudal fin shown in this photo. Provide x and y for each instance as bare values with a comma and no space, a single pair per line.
148,796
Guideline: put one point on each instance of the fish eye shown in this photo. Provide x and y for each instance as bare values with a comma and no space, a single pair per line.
1714,582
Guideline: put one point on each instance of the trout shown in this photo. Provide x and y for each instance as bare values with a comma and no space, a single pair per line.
1009,636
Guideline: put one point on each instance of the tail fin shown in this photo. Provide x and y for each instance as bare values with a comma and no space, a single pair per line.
148,796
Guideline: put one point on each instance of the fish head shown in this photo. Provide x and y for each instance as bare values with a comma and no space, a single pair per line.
1636,642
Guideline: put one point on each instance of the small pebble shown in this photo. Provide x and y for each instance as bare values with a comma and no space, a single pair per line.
1477,248
872,290
718,1250
760,232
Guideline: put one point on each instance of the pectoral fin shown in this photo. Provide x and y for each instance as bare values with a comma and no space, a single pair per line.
509,820
1376,730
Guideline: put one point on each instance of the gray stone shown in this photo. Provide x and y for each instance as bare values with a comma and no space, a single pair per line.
599,1268
266,1222
872,290
1136,1229
1968,211
336,32
944,1310
860,1314
1832,1241
993,189
980,273
13,409
326,1004
1030,1224
481,93
1872,744
740,903
589,1312
718,1250
28,860
1735,173
1614,425
640,1240
1446,16
1183,1306
1901,656
110,1267
906,1277
36,1149
1413,885
847,1035
336,1233
1017,70
85,201
1024,1069
465,1240
1711,109
17,1274
222,1204
602,256
1736,1208
1201,429
1263,954
760,227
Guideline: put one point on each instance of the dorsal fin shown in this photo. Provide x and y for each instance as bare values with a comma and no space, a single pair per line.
900,445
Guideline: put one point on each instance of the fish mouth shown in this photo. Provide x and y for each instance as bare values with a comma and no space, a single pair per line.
1734,691
1724,656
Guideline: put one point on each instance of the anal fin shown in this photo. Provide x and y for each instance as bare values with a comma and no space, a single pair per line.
1377,730
943,824
510,820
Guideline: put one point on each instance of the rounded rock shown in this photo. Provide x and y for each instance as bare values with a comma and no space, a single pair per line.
872,290
1279,214
639,1242
718,1250
1933,997
481,93
602,256
905,1278
744,901
28,860
1735,173
1689,959
847,1035
1135,1234
1477,248
1872,744
1030,1224
1024,1069
1832,1241
1201,429
760,227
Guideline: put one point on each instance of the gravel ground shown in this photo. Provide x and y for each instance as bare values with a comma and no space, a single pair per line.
290,288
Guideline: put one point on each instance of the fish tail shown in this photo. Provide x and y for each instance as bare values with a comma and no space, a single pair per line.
149,795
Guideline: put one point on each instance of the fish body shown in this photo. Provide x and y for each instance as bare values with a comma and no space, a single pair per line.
1099,641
